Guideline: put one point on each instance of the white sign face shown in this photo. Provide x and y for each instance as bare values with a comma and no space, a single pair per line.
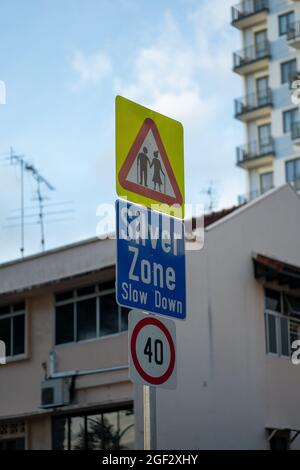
148,168
152,350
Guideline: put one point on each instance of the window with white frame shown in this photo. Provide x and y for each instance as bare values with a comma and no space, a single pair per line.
12,328
88,313
282,319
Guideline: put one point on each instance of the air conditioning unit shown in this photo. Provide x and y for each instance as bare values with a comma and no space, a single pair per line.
56,392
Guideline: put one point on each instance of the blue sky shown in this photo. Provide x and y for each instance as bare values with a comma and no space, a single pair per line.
64,61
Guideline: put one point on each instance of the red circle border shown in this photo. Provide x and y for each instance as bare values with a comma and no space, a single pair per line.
149,378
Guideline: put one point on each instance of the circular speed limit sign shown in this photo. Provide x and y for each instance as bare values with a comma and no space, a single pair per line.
152,350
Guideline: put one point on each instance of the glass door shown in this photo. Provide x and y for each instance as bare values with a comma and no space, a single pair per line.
266,182
262,91
264,139
260,44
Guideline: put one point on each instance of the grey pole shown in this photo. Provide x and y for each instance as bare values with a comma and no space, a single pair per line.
150,431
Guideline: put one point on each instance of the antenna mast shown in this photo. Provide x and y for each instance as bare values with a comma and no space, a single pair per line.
25,166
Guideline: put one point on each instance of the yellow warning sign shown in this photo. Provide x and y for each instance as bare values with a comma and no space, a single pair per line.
149,158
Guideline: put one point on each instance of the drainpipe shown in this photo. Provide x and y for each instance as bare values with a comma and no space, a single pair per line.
76,373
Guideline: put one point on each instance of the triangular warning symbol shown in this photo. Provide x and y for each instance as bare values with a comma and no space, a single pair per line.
147,170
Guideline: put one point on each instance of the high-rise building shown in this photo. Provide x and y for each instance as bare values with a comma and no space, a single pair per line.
268,63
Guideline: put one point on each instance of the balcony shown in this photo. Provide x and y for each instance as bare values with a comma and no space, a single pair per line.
296,133
249,13
245,198
253,106
255,154
252,58
293,35
295,184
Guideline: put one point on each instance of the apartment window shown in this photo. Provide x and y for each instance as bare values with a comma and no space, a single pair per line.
281,440
288,70
264,138
260,43
289,119
104,430
266,182
88,313
292,169
285,21
262,88
12,444
282,321
12,328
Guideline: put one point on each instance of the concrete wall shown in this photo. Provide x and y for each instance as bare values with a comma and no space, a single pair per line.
229,390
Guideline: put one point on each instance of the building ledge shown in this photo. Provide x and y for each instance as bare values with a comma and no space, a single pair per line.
270,269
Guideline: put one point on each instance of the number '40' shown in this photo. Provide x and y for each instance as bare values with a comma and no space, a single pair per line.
157,351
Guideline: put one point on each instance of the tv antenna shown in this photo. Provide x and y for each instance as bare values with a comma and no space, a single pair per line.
210,192
40,181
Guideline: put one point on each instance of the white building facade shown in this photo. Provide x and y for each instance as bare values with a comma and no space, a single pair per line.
268,63
237,386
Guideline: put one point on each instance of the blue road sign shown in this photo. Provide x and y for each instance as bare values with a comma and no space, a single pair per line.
150,261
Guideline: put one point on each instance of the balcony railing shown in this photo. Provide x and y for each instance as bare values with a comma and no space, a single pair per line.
248,8
251,54
295,184
244,198
253,101
293,31
296,130
254,150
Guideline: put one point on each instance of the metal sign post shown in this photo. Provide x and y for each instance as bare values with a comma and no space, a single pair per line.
150,430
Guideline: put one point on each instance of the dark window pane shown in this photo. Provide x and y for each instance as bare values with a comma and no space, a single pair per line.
19,335
85,291
5,331
5,309
95,432
110,431
60,434
66,295
64,318
86,319
272,298
19,307
292,306
124,318
285,347
285,21
108,315
107,285
126,429
104,430
280,441
290,172
272,334
289,119
78,435
266,181
288,71
12,444
297,167
294,331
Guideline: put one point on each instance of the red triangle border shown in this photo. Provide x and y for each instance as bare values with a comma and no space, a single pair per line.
138,189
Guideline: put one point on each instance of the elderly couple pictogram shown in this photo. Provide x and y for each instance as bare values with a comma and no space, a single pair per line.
143,162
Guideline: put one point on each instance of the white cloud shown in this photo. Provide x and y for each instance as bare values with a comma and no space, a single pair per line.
90,68
186,73
165,77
